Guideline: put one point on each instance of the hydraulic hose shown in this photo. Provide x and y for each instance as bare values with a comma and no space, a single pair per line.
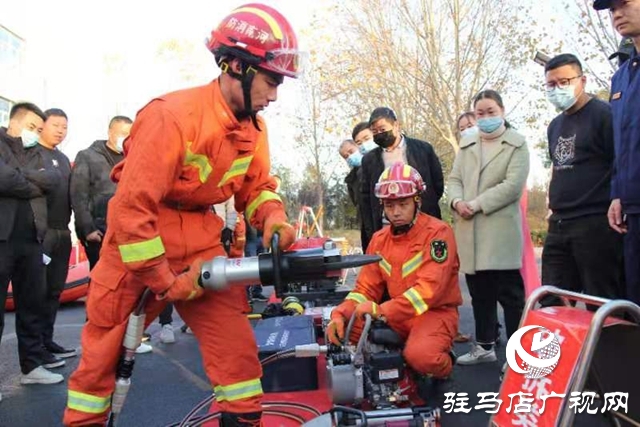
364,334
304,350
210,417
131,341
208,400
284,354
296,405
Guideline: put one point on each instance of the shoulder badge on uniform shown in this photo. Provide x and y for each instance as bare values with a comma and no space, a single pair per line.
439,251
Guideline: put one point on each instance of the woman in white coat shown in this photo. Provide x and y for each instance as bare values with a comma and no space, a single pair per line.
485,186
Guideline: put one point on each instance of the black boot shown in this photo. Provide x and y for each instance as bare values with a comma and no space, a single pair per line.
426,388
431,390
248,419
453,356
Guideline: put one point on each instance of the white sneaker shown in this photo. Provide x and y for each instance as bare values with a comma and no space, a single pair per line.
166,334
41,376
144,348
477,355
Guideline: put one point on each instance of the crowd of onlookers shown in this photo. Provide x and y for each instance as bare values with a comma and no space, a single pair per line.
593,195
39,190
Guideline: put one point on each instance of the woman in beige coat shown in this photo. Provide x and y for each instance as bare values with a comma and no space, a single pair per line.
485,186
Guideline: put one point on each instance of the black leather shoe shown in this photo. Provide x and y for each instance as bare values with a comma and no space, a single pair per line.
59,351
49,361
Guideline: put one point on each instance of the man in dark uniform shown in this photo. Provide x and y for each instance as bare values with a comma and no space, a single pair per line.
624,211
626,50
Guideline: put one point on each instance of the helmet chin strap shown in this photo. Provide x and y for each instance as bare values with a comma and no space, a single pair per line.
248,72
401,229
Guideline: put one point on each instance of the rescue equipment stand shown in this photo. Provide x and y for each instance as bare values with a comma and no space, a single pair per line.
596,380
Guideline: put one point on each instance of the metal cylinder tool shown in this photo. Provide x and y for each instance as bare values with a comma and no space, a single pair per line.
279,268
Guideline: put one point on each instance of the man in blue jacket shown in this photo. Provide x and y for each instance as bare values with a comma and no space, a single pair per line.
624,212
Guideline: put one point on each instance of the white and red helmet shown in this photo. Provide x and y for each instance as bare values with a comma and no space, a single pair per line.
399,181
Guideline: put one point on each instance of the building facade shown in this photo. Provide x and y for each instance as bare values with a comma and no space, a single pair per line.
12,48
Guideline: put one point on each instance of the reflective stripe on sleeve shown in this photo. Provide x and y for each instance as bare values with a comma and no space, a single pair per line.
141,251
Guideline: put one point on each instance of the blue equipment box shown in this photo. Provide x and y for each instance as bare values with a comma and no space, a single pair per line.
276,334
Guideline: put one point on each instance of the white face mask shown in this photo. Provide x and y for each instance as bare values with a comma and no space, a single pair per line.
469,131
120,143
29,138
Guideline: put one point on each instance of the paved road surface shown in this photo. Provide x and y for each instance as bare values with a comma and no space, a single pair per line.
170,381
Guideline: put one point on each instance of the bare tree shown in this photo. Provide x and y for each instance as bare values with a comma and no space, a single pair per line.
319,130
426,58
593,36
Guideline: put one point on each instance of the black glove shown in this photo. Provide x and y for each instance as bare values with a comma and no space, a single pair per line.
227,239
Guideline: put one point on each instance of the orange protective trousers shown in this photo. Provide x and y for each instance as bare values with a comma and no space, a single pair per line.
108,307
428,338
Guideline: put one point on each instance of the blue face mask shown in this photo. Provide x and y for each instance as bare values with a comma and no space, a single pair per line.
367,146
29,138
490,124
562,99
355,159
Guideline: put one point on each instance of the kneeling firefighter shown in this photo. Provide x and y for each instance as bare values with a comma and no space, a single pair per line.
418,270
187,151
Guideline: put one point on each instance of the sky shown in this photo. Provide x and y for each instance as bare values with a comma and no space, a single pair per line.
64,64
67,43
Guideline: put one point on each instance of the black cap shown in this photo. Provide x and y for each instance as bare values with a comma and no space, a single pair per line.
626,50
601,4
382,113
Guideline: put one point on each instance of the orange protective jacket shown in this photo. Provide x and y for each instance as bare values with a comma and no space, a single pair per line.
186,152
419,270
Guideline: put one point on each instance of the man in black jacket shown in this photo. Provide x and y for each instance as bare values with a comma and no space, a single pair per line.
581,252
393,146
57,240
351,153
21,256
92,188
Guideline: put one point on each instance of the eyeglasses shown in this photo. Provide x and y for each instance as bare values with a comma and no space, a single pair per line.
562,83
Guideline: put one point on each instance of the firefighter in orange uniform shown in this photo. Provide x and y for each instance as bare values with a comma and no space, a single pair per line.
239,238
189,150
419,270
